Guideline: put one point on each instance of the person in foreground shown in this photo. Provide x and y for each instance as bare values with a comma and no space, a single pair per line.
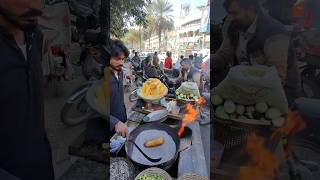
25,152
251,37
118,115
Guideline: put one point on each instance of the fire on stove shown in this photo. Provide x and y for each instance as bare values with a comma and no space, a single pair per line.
188,118
263,163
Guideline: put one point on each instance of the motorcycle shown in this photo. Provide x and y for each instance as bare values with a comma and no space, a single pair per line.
128,75
310,76
86,32
308,51
90,57
56,61
76,109
133,75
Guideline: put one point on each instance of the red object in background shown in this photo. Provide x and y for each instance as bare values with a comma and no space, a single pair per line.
56,50
308,20
315,51
298,9
168,63
157,108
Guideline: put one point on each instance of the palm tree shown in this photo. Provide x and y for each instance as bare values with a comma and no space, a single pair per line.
148,31
160,10
132,37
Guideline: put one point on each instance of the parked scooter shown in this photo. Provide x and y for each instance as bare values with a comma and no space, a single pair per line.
76,109
310,76
307,44
86,31
56,61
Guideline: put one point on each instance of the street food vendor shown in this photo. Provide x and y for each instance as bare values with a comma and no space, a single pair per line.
25,150
251,37
118,115
188,73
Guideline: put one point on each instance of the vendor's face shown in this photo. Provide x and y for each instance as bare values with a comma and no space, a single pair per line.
21,13
116,63
240,16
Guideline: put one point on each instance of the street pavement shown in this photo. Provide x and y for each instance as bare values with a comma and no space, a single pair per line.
61,136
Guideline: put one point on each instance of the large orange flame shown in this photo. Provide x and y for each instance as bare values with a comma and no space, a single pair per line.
263,164
294,124
187,118
201,101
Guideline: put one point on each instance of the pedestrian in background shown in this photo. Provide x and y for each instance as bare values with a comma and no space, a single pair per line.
177,66
156,59
197,61
191,58
168,61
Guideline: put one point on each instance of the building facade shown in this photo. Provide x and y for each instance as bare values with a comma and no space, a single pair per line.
188,35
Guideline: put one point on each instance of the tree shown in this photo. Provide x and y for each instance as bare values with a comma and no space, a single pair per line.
133,37
124,13
148,31
160,10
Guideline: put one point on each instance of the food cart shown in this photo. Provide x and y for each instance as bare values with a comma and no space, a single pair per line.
250,113
189,158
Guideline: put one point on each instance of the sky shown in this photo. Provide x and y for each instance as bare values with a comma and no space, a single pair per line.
177,6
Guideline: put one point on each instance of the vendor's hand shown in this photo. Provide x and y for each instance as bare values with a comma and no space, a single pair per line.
122,129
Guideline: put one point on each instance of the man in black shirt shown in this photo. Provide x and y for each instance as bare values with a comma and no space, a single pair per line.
25,151
118,115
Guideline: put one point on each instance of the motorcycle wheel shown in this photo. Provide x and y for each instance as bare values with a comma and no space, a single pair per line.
75,113
90,67
134,96
310,87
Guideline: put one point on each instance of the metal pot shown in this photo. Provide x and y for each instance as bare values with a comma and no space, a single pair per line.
154,126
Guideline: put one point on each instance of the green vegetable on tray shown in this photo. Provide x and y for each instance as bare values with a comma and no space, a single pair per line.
228,109
150,177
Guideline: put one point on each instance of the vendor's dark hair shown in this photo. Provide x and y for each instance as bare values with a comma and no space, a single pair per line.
114,48
243,3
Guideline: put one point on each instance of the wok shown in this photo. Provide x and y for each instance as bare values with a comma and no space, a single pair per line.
168,151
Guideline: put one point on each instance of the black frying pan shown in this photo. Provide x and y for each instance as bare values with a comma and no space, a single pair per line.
166,162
